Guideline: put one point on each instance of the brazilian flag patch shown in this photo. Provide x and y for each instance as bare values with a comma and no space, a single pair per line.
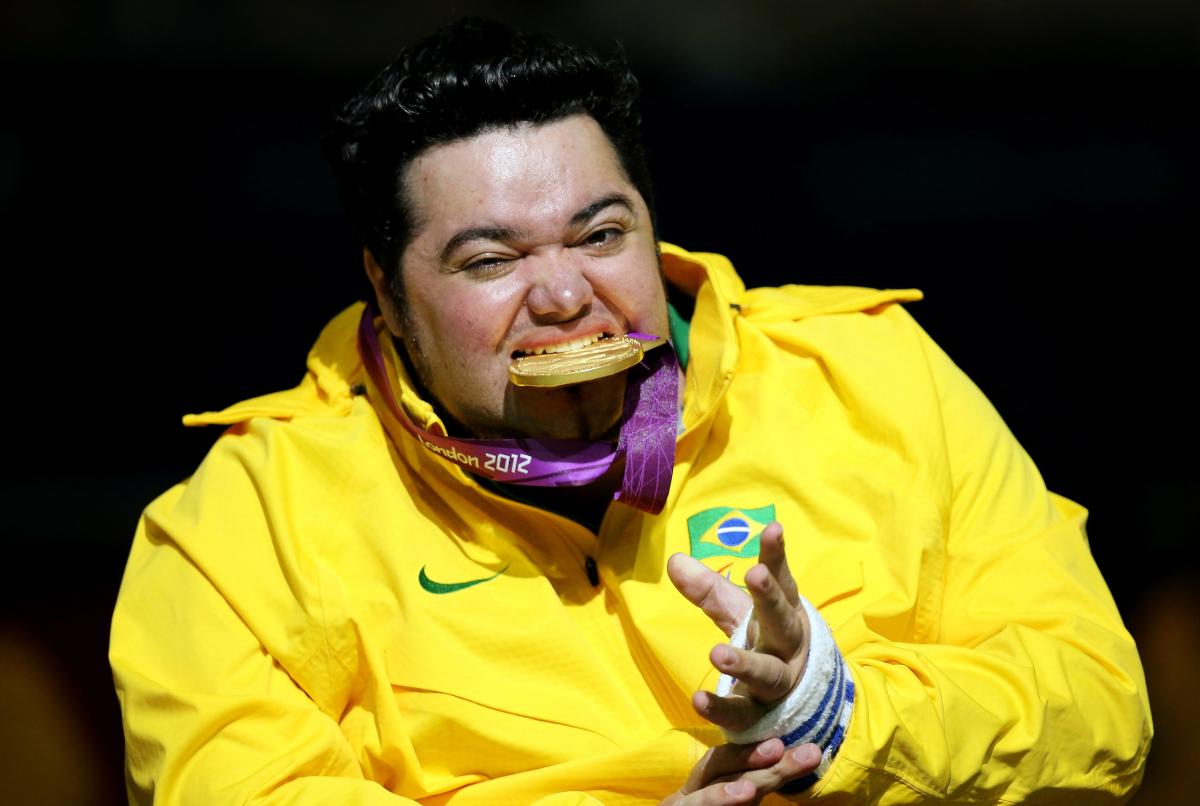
726,539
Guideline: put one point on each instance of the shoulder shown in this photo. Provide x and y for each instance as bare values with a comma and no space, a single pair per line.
854,366
301,443
859,335
283,465
848,322
333,369
260,532
274,479
849,314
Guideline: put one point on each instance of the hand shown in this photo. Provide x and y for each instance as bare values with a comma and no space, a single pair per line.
778,635
739,774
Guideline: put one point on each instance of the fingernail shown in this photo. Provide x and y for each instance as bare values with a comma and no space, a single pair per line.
688,570
739,788
804,755
769,747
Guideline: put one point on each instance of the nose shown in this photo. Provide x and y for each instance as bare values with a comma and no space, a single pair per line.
559,291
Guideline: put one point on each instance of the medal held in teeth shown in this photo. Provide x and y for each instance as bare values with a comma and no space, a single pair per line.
602,358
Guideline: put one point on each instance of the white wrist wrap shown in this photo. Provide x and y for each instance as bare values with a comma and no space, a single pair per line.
817,709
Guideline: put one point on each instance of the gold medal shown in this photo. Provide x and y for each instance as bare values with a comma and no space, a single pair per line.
598,360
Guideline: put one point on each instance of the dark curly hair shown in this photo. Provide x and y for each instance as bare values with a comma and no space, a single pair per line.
468,77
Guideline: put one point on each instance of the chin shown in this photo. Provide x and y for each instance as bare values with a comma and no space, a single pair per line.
586,411
576,424
605,429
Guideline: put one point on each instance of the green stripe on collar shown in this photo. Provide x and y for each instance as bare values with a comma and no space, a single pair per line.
679,334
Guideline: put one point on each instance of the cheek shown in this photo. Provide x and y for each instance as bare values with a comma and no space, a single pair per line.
471,320
637,292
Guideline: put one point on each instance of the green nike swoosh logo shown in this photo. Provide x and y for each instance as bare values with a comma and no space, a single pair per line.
450,587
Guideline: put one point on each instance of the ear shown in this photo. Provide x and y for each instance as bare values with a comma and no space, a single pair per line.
383,293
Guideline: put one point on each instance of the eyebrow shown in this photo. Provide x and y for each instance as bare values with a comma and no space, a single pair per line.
619,199
476,234
507,233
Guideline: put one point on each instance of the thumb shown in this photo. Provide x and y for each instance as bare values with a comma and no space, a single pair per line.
722,601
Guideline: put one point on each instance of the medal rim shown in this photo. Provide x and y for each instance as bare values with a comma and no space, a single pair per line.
550,380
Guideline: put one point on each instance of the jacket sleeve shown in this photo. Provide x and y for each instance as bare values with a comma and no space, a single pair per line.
1032,691
210,716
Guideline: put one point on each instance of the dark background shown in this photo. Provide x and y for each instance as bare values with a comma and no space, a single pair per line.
173,243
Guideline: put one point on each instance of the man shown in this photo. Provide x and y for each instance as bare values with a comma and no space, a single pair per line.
407,579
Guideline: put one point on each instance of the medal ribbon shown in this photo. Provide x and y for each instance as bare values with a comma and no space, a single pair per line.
647,437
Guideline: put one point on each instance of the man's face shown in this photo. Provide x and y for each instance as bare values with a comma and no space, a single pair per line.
526,237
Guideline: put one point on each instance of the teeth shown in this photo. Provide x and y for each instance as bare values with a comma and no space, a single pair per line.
566,346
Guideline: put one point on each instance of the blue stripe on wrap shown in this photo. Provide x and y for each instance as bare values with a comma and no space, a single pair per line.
836,741
836,714
836,689
839,733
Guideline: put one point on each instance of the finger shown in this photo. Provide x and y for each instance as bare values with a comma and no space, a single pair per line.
729,759
771,554
764,677
722,601
796,763
781,625
727,793
735,712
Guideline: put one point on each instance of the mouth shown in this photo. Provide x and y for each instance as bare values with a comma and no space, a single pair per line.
563,346
575,361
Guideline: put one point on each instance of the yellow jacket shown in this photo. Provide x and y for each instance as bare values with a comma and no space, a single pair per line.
295,623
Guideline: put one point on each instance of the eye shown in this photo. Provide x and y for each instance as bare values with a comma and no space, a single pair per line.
603,237
485,265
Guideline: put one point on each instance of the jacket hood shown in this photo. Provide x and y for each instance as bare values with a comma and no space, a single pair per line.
334,367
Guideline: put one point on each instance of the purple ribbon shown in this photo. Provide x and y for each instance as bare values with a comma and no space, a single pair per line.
647,437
